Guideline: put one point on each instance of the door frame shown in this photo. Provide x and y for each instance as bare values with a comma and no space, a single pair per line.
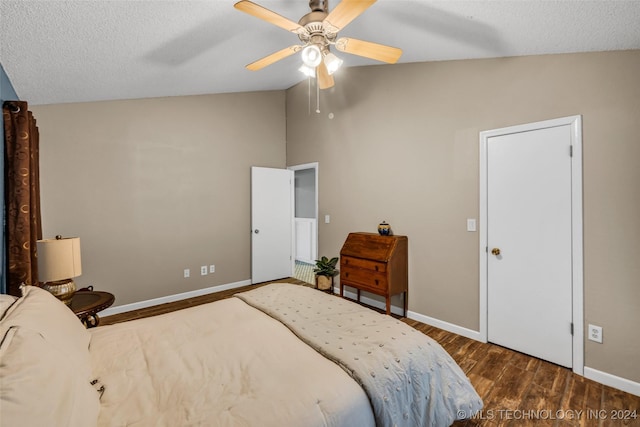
315,166
575,122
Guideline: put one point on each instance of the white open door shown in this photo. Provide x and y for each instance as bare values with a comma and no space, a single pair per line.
271,224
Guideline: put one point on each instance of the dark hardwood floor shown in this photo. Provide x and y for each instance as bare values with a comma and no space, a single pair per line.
518,390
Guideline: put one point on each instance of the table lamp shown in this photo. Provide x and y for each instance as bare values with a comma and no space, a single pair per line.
58,263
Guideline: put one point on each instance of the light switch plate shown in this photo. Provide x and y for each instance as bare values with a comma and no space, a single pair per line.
471,224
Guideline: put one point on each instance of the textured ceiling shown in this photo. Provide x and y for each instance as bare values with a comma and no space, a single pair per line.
89,50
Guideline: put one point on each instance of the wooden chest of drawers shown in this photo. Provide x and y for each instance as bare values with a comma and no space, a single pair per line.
376,264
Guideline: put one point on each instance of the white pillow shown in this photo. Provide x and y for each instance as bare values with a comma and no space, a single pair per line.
45,364
5,302
39,310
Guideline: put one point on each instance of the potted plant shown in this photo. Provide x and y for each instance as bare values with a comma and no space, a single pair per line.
325,272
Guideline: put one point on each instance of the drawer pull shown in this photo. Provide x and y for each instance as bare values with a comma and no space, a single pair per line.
376,268
377,282
346,274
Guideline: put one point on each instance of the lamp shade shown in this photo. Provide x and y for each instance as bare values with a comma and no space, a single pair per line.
332,62
311,56
59,259
307,71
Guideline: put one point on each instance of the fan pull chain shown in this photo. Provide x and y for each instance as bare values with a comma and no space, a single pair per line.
309,80
317,97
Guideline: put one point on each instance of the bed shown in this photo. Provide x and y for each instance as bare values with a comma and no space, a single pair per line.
278,355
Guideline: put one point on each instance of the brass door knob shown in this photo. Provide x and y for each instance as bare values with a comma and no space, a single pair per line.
495,251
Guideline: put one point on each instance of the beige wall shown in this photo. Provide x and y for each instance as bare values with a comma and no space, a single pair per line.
155,186
158,185
403,147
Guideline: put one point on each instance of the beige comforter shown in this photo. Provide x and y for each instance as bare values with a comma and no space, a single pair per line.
219,364
409,378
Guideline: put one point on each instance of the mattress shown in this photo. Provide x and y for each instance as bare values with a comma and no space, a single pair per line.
278,355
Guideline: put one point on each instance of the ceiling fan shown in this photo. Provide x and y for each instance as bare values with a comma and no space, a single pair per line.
318,30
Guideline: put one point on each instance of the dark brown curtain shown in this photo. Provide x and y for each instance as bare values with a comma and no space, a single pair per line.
22,194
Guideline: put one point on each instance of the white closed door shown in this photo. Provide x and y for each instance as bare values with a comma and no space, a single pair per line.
271,224
529,242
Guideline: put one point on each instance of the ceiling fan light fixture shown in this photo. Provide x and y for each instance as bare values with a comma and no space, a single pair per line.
311,56
307,71
332,62
318,31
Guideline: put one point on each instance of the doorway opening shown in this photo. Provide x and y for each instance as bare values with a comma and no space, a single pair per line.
305,220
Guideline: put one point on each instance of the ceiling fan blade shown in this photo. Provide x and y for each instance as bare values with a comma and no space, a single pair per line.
371,50
325,80
345,12
265,14
274,57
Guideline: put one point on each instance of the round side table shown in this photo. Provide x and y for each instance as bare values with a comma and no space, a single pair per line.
87,303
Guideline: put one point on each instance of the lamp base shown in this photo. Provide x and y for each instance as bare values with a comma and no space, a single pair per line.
61,289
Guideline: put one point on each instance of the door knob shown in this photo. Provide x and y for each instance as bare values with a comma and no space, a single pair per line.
256,231
495,251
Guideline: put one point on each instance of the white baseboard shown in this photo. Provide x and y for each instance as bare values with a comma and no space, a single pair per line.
612,381
369,301
172,298
449,327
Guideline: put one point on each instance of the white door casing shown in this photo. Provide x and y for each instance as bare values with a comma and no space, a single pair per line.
271,224
531,209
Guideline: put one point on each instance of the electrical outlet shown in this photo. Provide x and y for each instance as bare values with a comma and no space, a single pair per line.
203,270
212,268
187,273
595,333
